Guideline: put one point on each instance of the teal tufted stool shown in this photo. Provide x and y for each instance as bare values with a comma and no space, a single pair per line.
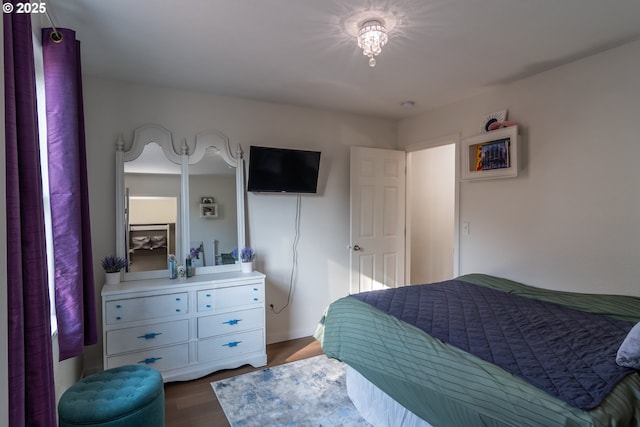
118,397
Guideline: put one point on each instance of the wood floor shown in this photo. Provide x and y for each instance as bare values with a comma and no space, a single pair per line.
194,404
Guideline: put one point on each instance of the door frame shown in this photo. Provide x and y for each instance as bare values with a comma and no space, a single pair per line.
424,145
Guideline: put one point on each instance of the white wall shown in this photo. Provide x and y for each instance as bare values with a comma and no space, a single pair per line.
570,219
153,210
113,107
223,228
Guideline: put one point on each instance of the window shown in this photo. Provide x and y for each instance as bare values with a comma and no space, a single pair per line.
44,170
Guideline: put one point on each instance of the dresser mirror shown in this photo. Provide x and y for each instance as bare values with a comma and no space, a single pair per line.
170,201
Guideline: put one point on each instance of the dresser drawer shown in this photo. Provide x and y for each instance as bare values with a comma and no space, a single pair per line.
229,346
142,337
162,359
129,310
218,324
216,299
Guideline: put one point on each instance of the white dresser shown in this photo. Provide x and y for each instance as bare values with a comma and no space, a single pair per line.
186,328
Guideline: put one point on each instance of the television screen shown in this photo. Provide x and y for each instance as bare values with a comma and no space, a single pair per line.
283,170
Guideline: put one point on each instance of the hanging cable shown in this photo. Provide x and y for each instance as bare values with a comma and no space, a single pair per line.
294,257
56,36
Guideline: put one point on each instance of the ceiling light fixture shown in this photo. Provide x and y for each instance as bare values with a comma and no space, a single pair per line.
371,37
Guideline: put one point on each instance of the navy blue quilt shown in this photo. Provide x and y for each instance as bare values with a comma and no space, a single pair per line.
568,353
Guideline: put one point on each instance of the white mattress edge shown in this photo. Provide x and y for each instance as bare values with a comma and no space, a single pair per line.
377,407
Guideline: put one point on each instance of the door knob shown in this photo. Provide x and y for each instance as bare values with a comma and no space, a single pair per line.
357,248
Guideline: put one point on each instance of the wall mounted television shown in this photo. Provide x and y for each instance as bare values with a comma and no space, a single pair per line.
281,170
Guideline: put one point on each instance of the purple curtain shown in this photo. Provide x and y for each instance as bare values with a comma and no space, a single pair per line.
75,296
31,387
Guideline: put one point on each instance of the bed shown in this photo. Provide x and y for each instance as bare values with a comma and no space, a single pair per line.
434,379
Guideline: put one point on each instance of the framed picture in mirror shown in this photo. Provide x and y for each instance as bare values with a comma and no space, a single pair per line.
208,210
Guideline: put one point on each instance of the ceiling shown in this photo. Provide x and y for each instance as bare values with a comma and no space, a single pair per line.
304,52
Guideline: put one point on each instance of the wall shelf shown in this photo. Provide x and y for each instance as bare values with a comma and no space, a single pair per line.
490,155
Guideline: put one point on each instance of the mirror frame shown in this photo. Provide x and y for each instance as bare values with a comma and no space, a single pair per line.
146,134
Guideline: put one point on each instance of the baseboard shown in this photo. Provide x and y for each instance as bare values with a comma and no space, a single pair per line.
273,338
91,369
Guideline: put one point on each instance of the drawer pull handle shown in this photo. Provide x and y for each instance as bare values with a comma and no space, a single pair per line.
255,299
208,305
232,344
150,360
177,310
150,335
231,322
118,318
177,299
118,306
208,295
255,289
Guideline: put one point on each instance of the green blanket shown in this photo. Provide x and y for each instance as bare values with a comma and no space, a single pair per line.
448,387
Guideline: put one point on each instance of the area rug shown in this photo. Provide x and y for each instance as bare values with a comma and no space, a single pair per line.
306,393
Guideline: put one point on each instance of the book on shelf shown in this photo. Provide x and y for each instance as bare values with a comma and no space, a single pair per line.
493,155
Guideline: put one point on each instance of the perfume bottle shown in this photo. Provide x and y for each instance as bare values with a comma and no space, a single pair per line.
172,265
188,266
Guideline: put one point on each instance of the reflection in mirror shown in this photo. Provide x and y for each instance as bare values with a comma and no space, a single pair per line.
159,201
156,207
213,209
152,188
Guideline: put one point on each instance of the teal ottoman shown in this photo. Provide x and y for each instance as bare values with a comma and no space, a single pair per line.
119,397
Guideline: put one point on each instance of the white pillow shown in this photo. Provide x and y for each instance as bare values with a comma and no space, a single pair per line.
629,351
140,242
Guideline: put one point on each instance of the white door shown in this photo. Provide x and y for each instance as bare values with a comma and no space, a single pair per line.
377,218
